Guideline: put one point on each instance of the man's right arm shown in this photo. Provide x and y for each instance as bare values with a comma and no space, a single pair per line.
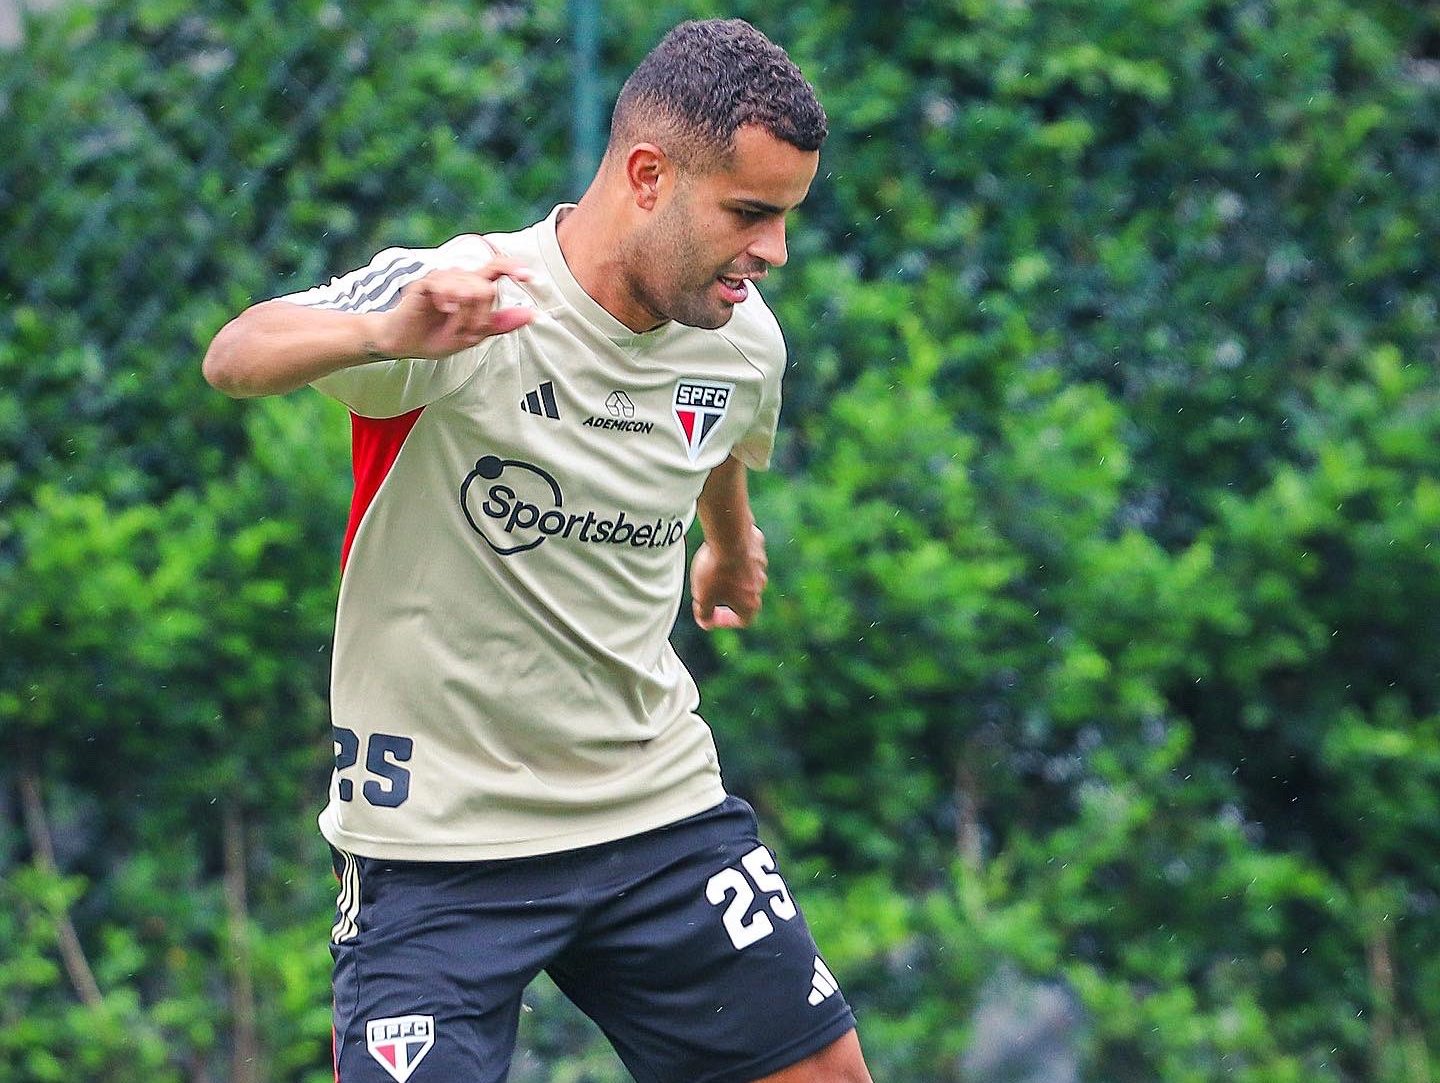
277,346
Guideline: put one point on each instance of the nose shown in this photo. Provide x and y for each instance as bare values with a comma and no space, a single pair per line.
769,243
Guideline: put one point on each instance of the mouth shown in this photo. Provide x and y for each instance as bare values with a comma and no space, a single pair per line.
735,288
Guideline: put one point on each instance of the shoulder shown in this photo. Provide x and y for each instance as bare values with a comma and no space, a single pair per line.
520,244
755,333
377,285
466,251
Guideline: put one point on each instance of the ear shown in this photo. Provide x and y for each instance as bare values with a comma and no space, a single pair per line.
648,171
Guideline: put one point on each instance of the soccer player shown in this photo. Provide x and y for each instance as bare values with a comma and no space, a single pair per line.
521,781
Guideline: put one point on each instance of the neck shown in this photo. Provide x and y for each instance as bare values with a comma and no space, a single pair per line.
592,240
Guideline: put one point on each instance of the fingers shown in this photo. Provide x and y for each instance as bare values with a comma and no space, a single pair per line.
704,614
472,321
452,309
466,325
726,593
452,291
709,617
505,320
725,617
505,267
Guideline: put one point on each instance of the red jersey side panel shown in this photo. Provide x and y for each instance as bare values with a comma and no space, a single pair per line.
375,444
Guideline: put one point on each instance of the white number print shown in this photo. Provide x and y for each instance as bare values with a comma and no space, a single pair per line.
760,864
736,887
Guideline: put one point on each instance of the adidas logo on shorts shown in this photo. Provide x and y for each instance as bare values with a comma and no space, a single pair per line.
823,985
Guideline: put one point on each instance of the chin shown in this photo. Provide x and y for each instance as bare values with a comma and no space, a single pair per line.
706,317
709,323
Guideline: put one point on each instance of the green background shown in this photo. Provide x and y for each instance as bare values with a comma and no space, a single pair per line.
1095,706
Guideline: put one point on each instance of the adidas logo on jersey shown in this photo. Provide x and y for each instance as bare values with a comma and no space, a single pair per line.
541,401
823,985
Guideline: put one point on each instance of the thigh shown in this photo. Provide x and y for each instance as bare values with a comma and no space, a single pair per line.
430,964
696,961
839,1062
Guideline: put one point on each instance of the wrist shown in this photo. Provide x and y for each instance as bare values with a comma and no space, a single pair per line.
736,544
375,341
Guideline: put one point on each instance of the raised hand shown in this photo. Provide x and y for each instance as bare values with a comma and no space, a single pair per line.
451,310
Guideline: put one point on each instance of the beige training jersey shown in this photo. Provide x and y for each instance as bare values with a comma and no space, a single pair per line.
503,682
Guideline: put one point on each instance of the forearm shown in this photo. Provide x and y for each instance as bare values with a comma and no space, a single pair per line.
276,347
724,508
727,575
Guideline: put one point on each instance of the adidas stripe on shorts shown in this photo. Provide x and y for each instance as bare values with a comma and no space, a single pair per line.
683,944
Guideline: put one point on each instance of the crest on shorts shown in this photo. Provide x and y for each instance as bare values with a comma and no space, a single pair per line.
700,406
399,1044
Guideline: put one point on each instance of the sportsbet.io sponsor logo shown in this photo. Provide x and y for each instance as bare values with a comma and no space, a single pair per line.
522,507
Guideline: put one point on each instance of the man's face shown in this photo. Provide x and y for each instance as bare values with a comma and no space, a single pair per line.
718,230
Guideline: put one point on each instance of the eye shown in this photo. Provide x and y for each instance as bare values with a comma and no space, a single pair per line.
749,214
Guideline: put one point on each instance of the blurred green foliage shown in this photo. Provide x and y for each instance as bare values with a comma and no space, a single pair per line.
1098,658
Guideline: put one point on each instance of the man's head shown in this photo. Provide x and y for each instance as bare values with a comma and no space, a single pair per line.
703,83
715,136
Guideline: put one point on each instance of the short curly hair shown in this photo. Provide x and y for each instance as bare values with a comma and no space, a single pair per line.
706,80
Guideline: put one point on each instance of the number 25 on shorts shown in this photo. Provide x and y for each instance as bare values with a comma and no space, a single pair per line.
735,890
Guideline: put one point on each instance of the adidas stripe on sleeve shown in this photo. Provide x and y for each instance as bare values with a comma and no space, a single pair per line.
373,288
390,388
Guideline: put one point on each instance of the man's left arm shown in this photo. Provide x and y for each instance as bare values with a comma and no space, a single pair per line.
727,574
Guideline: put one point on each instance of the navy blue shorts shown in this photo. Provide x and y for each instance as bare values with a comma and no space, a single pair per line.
683,944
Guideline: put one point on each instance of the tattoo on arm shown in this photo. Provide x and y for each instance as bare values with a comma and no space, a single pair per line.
372,351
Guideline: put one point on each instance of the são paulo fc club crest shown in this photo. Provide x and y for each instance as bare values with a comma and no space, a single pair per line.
399,1044
700,406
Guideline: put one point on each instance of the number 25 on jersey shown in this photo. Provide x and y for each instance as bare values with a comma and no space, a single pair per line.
389,784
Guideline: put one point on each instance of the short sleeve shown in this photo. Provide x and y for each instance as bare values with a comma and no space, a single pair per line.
390,388
757,336
758,444
376,287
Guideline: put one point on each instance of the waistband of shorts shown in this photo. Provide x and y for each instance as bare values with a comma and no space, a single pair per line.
719,821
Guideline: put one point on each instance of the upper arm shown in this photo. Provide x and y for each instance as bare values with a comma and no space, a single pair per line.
725,493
